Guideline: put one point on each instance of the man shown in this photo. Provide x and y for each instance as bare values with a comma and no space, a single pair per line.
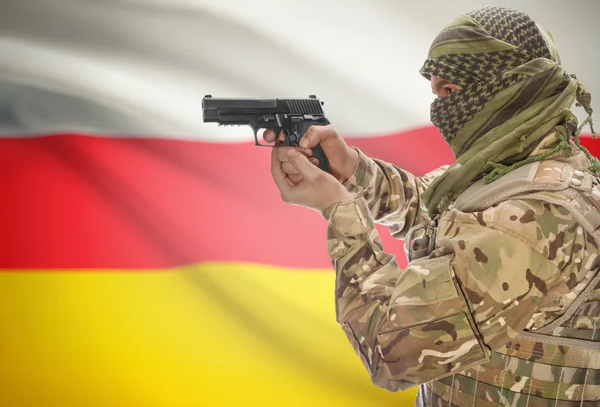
500,301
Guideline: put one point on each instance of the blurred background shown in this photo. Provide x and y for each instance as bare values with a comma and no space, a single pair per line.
147,257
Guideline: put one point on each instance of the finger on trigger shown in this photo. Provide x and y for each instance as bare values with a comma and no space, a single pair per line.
268,135
314,161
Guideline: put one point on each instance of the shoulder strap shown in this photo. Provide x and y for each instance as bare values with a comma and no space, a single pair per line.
538,176
550,181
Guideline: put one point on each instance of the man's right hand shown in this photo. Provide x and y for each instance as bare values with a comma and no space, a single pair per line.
343,160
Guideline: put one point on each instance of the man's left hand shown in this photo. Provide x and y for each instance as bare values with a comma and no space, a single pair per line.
316,190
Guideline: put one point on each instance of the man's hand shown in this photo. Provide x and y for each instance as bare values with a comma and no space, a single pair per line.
316,189
342,159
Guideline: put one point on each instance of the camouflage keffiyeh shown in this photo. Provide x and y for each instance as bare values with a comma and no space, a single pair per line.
514,93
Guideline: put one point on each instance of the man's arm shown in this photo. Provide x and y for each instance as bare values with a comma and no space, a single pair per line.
445,313
393,195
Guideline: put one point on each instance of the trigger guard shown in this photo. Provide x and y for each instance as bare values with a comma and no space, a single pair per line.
255,130
258,143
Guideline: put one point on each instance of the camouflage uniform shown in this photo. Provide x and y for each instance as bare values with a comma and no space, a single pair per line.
456,322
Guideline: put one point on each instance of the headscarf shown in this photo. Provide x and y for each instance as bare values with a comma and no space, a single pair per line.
514,93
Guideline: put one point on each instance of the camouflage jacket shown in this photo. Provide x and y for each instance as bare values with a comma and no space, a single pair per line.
451,321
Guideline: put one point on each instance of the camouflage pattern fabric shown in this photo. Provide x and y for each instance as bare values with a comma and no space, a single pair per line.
514,93
452,321
394,204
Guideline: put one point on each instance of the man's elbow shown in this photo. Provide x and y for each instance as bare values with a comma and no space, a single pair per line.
384,379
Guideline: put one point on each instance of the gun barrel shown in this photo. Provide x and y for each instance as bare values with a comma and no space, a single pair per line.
215,108
210,103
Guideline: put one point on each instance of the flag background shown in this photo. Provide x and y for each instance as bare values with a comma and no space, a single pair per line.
147,258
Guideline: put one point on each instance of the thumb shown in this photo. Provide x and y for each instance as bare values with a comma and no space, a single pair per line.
314,136
302,164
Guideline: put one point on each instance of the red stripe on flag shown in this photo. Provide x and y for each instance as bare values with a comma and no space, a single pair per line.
73,201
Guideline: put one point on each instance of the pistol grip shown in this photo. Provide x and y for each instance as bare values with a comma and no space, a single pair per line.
319,154
299,128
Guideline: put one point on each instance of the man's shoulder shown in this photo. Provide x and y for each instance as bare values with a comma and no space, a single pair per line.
539,176
530,203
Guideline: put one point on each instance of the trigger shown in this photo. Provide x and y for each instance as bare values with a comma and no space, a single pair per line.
258,143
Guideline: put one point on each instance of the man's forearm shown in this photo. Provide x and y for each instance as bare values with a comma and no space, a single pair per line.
392,194
365,278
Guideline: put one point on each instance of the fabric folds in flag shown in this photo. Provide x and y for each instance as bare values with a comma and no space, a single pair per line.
161,272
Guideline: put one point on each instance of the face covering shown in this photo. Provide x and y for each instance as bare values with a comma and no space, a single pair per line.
514,93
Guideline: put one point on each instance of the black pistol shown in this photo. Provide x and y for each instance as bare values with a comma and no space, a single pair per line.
292,116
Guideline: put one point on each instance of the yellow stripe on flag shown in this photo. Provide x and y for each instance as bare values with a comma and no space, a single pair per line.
205,335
